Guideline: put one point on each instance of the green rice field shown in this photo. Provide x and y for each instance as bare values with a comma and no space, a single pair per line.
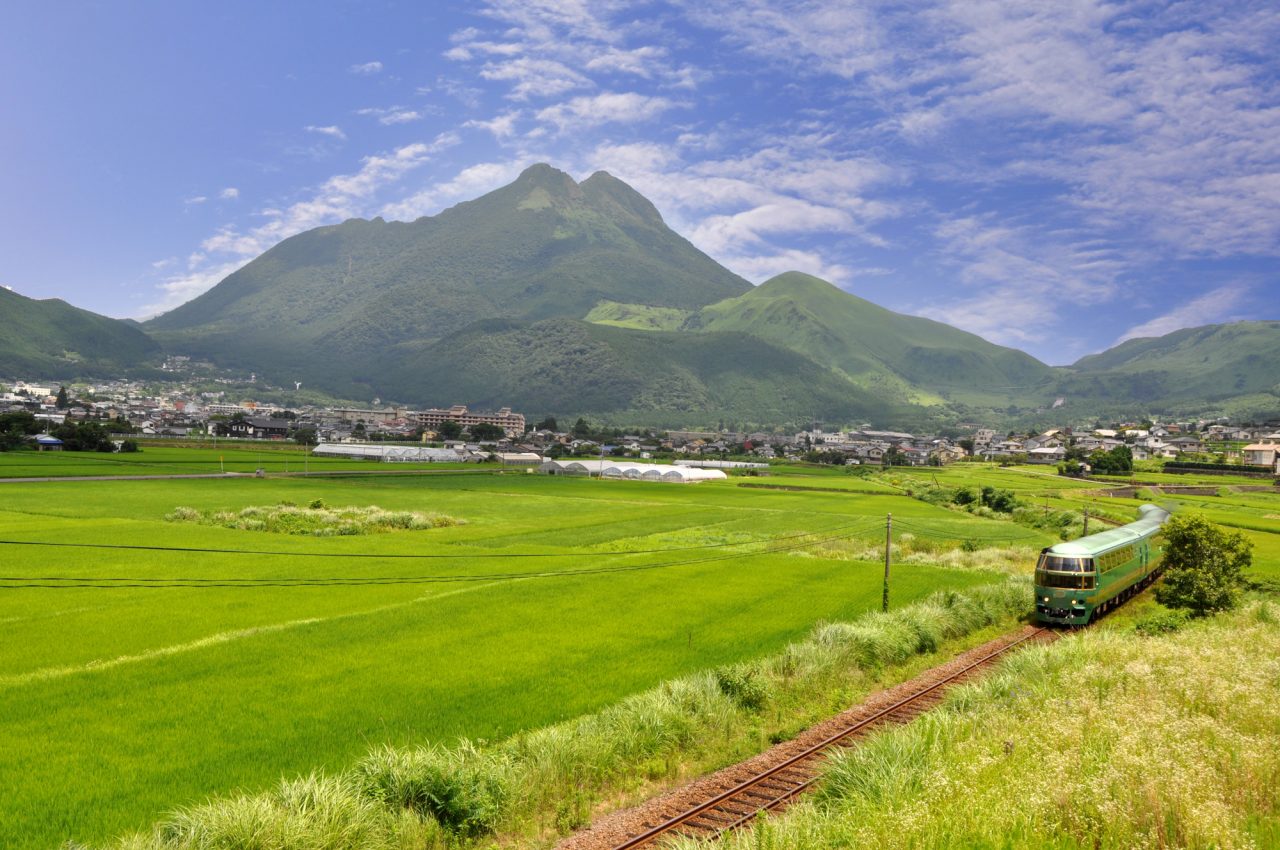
237,457
147,665
120,703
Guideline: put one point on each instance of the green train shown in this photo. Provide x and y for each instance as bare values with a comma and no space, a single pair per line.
1079,580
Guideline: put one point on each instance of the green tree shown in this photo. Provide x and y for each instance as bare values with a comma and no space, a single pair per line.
63,402
487,432
306,437
548,424
1203,565
581,429
449,430
1118,461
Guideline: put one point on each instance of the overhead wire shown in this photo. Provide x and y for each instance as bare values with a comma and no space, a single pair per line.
66,582
396,555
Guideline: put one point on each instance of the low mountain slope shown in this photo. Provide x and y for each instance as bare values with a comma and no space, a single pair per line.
52,339
873,345
327,302
1209,364
564,366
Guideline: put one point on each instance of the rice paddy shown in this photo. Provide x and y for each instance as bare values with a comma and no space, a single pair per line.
157,664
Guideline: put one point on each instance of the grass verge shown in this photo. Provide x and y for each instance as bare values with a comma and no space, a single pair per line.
1118,738
536,785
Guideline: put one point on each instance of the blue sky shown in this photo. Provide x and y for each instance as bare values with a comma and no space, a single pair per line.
1054,176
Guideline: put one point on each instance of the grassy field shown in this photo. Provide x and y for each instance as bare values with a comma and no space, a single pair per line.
173,460
120,703
1105,739
554,598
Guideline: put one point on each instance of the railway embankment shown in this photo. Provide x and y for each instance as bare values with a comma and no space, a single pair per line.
1110,738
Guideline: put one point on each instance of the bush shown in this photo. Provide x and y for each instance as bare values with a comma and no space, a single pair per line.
316,520
1161,623
1204,565
744,684
463,789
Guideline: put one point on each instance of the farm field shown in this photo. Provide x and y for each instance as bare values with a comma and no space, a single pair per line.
122,703
174,460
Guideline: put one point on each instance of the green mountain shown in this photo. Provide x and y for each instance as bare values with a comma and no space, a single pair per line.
659,378
52,339
1187,370
323,305
560,297
902,356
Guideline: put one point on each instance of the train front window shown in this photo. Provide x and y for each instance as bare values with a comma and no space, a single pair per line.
1064,580
1062,564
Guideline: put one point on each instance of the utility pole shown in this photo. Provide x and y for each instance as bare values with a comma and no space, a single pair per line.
1086,522
888,543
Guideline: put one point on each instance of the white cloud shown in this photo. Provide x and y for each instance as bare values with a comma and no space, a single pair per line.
1159,118
535,77
229,194
391,114
606,108
1220,305
470,183
501,126
366,69
338,198
759,268
739,209
332,131
197,199
1019,279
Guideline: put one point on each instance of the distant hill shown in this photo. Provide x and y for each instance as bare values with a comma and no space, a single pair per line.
571,298
52,339
322,306
876,347
658,378
1188,369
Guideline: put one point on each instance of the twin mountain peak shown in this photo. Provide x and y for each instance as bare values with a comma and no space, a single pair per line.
556,296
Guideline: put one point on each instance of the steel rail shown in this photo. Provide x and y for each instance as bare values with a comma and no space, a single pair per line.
726,819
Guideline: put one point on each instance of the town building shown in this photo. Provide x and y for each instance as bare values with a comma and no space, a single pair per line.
432,419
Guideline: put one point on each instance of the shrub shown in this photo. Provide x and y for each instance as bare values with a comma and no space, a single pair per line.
461,788
1204,565
1161,622
316,520
744,684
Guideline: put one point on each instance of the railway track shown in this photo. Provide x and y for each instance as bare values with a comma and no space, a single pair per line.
774,788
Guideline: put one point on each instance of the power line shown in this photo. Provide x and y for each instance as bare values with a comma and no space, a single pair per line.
400,555
944,535
67,583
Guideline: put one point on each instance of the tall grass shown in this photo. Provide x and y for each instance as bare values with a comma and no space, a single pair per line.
316,520
907,548
1107,739
549,780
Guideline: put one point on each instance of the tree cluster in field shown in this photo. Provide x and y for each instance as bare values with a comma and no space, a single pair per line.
1204,565
1117,461
16,429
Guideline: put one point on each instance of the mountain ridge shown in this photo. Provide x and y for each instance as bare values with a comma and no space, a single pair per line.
570,297
49,337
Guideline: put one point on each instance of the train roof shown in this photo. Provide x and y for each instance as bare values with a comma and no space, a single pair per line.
1147,524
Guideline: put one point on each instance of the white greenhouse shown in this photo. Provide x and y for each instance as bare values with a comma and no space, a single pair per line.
387,453
634,471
